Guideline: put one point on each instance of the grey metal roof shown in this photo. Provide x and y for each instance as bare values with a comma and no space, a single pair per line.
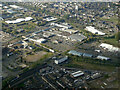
77,37
87,55
75,53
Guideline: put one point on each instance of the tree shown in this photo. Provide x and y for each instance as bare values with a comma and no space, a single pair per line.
117,36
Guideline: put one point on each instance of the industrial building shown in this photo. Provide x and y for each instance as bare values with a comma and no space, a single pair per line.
103,58
10,11
96,75
77,74
63,25
71,31
87,55
61,60
50,19
73,52
94,31
19,20
42,40
16,7
76,37
109,47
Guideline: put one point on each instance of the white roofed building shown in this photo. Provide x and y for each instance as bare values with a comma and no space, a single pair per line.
103,58
16,7
19,20
109,47
94,31
42,40
77,74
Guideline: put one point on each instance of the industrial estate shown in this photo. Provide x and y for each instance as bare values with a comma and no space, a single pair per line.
60,45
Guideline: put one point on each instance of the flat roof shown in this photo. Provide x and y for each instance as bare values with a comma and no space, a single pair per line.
19,20
75,53
93,30
77,37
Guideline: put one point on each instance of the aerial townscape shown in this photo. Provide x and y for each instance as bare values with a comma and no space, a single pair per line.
60,45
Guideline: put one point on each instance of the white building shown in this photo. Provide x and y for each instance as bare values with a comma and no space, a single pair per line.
103,58
69,30
76,7
19,20
61,60
51,50
50,19
25,44
93,30
109,47
16,7
77,74
63,25
76,37
42,40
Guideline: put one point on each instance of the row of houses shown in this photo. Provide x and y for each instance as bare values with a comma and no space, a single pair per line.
73,52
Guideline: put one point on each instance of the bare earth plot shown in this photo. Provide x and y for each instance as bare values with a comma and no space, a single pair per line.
35,57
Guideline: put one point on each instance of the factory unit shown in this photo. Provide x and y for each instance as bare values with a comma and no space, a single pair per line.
76,37
96,75
10,11
87,55
16,7
71,31
77,74
19,20
63,25
61,60
93,30
73,52
109,47
50,19
41,40
103,58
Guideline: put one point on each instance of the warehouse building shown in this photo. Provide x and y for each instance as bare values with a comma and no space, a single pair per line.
73,52
50,19
16,7
19,20
93,30
41,40
76,37
77,74
87,55
103,58
71,31
109,47
61,60
10,11
63,25
96,75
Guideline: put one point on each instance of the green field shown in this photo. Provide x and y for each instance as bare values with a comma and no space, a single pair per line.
92,64
112,19
112,41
